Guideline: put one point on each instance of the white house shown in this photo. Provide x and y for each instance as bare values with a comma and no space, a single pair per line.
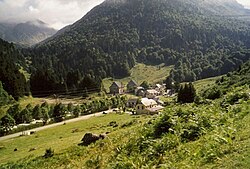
152,93
147,106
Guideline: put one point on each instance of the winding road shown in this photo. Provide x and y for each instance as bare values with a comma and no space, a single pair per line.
55,124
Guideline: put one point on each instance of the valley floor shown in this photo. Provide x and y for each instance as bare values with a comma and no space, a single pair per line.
54,125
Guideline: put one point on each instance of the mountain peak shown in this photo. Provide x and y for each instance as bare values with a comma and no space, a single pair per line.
27,33
37,22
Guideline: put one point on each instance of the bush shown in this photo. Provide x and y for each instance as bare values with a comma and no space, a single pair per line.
233,98
212,93
48,153
162,125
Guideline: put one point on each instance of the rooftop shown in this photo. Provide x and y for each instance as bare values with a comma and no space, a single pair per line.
152,91
132,82
155,109
148,102
119,84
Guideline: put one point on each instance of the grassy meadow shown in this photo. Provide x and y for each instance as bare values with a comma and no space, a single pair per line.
142,72
59,138
205,83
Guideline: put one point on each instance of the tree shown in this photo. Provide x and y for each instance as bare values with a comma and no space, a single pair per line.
14,111
6,124
145,85
77,111
37,113
186,93
25,116
70,107
45,115
59,112
4,96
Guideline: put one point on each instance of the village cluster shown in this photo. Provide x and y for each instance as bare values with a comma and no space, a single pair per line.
144,101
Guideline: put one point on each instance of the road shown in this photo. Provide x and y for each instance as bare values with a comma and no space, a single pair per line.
54,125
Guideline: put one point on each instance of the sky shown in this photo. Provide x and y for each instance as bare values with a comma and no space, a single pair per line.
56,13
246,3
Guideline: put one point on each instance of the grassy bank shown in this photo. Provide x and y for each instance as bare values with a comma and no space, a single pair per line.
59,138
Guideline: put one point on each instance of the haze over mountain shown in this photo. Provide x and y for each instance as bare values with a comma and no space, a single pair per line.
57,13
27,34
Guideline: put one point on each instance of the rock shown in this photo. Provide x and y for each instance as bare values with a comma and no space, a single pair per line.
89,138
32,132
102,136
32,149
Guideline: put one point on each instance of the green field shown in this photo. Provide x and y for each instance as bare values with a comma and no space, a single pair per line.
205,83
142,72
58,138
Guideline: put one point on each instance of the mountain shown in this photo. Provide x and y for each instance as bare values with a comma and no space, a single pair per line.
202,38
27,34
11,79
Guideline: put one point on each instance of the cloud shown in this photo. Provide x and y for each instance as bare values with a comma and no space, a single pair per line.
57,13
32,9
245,3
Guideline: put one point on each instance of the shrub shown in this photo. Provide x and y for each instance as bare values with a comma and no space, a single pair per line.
212,93
48,153
232,99
162,125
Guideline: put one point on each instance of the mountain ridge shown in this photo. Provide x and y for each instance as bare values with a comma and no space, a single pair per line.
108,40
27,33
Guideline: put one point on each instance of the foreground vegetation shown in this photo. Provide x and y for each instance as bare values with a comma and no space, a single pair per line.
61,138
212,132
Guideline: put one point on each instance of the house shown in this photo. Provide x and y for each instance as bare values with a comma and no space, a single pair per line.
140,91
131,103
147,106
131,86
116,88
160,88
155,110
152,93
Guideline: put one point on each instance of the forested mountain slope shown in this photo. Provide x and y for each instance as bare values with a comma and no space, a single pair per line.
200,37
11,60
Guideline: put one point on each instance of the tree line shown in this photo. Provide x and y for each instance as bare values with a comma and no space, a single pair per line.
56,112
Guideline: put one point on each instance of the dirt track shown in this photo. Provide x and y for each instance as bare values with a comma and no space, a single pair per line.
54,125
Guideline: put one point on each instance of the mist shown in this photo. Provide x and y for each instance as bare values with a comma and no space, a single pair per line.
56,13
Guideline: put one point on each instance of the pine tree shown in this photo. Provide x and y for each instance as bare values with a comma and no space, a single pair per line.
186,93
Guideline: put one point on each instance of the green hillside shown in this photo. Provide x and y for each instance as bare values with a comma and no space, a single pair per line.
195,36
12,79
210,133
63,138
141,72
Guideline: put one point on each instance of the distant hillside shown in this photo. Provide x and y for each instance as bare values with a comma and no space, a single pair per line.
141,73
201,38
26,34
240,77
